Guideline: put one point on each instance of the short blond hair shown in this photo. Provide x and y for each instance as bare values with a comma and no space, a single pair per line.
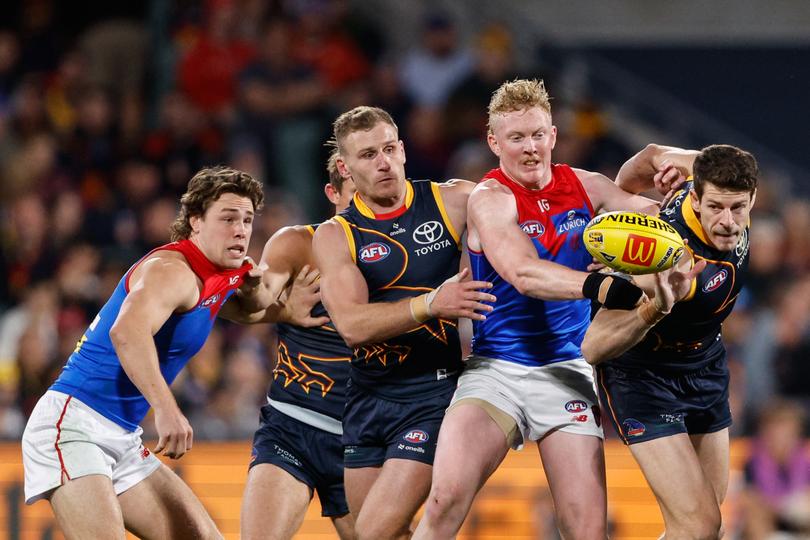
363,118
518,95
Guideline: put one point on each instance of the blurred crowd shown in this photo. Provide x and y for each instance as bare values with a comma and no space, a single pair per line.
102,124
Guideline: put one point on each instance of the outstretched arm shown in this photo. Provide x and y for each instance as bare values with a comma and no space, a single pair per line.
158,287
344,292
492,216
613,332
656,167
285,254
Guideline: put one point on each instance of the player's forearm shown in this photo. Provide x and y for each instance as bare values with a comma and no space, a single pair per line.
613,332
374,322
546,280
637,173
136,352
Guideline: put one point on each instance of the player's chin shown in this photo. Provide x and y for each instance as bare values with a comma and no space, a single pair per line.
726,243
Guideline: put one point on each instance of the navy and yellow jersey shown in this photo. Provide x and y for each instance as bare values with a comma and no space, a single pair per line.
403,254
312,367
689,337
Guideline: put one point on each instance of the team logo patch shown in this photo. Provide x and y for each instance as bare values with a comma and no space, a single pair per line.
533,228
633,428
375,252
210,301
576,405
715,281
416,436
428,232
145,452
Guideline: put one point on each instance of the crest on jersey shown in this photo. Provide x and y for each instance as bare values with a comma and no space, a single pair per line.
210,301
716,280
428,232
533,228
374,252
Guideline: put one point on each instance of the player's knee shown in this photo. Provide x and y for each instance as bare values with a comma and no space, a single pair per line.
706,524
369,527
581,524
446,503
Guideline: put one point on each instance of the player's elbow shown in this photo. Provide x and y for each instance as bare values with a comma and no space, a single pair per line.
590,351
353,335
521,280
118,335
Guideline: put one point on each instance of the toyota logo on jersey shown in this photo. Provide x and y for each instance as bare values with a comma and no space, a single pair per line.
371,253
428,232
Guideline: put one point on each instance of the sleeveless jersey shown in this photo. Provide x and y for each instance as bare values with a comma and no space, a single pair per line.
403,254
689,337
312,368
93,372
526,330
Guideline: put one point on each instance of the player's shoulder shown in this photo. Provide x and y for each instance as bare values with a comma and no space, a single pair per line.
166,271
490,188
292,234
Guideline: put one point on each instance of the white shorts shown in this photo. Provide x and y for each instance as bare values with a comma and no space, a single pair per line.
560,396
65,437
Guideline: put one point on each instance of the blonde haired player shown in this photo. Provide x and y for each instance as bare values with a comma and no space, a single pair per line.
526,379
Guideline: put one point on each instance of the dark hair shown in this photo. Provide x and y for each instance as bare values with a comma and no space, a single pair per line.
207,186
361,118
726,167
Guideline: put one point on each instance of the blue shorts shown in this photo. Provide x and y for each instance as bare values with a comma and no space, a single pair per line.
376,430
311,455
646,404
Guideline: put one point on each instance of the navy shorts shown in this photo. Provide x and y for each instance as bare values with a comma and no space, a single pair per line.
376,430
646,404
311,455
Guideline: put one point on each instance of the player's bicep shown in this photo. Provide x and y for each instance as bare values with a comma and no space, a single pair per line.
606,196
494,216
160,289
343,287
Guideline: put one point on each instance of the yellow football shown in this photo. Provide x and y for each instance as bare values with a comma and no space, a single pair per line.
633,243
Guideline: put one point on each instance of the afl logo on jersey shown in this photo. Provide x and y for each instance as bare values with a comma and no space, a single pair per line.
209,301
576,406
416,436
371,253
428,232
715,281
533,228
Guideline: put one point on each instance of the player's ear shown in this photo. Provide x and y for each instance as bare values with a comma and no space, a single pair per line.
553,134
693,198
753,198
493,144
331,193
402,149
194,222
341,167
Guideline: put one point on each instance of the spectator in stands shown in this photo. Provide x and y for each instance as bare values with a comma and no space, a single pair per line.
777,475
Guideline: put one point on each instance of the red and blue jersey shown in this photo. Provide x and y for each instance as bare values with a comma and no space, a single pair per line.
526,330
93,372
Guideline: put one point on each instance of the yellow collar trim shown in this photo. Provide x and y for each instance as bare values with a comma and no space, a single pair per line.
367,212
692,220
